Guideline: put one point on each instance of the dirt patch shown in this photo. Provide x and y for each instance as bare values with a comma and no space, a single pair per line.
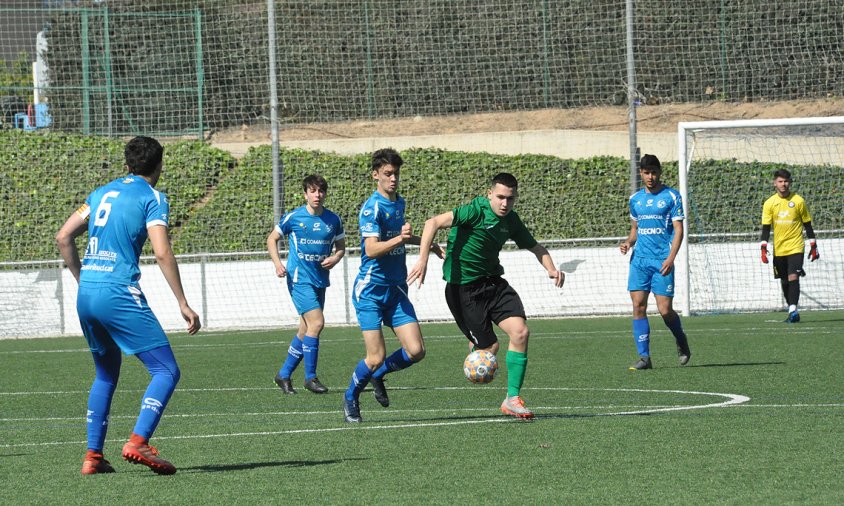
650,118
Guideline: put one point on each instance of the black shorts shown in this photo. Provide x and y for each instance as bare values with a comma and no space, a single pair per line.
789,264
477,305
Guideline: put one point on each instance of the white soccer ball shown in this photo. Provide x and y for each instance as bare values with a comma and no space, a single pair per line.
480,366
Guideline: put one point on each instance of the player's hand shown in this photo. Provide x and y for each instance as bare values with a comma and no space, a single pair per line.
191,318
329,262
765,253
280,271
417,273
624,247
406,233
437,250
667,267
813,251
559,278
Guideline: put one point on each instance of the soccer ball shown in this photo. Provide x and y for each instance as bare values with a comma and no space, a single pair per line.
480,366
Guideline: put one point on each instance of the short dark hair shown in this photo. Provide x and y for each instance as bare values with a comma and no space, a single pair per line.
650,162
783,174
386,156
505,179
316,181
143,155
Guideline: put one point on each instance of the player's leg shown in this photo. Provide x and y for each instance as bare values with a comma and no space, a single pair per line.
516,359
795,271
315,322
639,281
368,301
164,376
107,360
672,321
400,315
292,359
663,290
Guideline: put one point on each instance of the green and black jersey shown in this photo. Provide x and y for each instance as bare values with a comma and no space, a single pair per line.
476,237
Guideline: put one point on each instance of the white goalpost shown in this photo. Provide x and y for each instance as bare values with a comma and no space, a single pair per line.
725,174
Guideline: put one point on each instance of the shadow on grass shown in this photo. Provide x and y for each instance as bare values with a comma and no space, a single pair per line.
215,468
735,364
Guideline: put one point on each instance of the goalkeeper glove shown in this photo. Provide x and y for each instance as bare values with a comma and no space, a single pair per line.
764,252
813,250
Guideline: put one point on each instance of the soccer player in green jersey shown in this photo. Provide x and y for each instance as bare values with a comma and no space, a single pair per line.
787,214
476,293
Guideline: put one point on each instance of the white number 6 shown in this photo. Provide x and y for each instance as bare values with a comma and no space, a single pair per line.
104,209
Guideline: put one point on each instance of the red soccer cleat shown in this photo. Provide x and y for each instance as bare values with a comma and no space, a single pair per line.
143,453
94,463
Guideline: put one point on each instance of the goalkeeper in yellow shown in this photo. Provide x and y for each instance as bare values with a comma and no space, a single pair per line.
788,215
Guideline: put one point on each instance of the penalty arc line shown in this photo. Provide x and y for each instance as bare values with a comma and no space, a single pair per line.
732,400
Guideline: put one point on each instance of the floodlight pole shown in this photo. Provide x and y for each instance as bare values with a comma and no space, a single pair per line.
278,169
632,101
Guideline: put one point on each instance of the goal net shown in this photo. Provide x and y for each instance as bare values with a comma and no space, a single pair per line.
726,173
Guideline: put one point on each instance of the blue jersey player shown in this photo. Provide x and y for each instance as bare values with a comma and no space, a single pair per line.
312,232
113,311
656,212
379,293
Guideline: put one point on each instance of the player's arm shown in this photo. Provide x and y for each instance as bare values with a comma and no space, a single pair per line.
160,241
272,248
668,264
545,259
339,252
813,244
628,243
426,245
766,234
377,248
66,242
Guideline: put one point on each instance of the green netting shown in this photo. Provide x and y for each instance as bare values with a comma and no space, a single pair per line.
182,67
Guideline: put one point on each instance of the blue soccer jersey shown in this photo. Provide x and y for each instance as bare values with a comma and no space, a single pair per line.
118,215
310,240
655,215
382,218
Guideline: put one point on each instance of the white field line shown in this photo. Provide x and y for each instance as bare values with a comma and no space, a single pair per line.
731,400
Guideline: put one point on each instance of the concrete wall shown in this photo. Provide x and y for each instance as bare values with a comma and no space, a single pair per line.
561,143
246,294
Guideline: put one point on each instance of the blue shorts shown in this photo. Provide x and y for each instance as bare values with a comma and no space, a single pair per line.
306,297
644,275
381,304
118,316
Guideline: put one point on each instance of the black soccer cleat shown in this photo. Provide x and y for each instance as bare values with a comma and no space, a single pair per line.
642,364
380,391
793,317
683,351
315,386
285,385
351,411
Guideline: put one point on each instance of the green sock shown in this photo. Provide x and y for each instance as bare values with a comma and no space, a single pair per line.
516,368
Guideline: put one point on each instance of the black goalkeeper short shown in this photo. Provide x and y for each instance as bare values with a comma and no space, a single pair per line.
477,305
788,264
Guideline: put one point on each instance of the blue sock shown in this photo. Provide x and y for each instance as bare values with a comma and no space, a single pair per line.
310,349
165,373
360,378
107,368
395,362
294,356
676,329
642,336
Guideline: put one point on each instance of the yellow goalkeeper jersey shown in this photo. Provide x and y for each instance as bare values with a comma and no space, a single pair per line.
786,217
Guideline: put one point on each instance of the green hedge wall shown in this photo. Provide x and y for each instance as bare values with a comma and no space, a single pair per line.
45,177
219,204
